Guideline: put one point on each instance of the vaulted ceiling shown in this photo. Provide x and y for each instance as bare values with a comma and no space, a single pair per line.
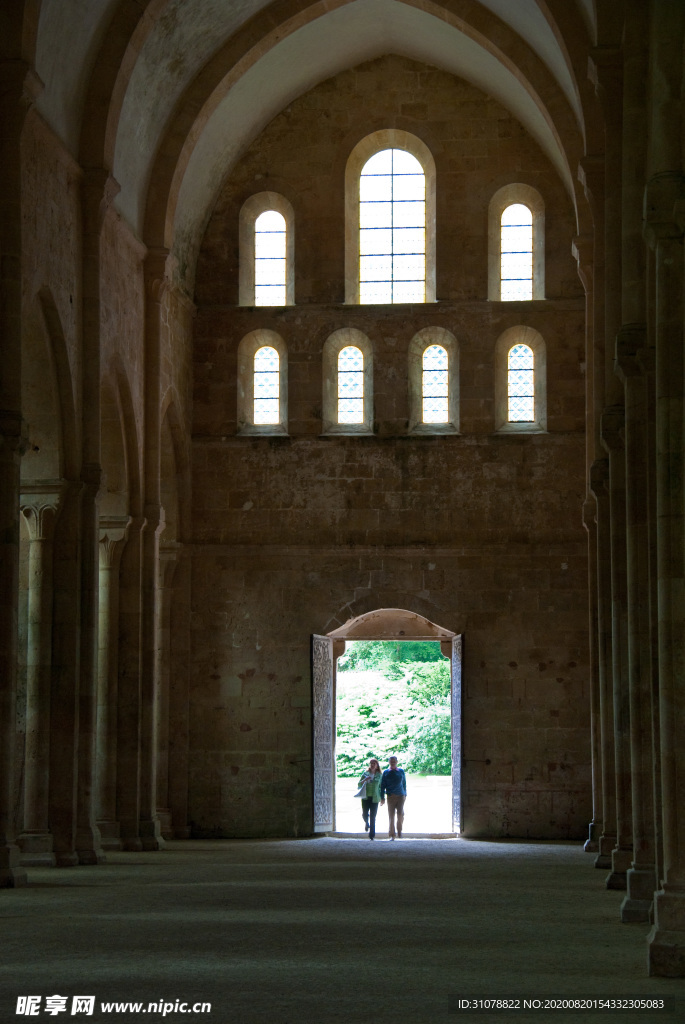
176,89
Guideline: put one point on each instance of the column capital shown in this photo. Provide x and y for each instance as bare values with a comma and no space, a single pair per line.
599,478
664,207
39,503
605,72
612,428
113,533
630,340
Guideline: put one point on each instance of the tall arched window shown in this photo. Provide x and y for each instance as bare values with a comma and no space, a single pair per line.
350,385
516,244
516,253
520,381
520,384
266,385
269,259
435,385
392,229
390,220
267,251
433,377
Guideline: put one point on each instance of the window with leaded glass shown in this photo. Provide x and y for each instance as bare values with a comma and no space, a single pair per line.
392,229
521,385
350,385
270,259
435,385
516,254
266,386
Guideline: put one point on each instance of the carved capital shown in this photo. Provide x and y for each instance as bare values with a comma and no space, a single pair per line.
40,504
599,479
605,71
664,212
612,428
113,533
630,339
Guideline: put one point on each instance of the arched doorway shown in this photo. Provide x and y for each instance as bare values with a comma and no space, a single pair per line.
396,624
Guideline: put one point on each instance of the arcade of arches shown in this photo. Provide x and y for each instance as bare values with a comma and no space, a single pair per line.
166,553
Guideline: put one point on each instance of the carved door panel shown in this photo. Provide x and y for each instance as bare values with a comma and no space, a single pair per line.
323,752
457,650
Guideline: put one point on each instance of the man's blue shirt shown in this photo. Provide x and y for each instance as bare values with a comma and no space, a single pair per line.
394,782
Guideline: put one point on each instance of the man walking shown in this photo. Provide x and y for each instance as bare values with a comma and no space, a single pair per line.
394,783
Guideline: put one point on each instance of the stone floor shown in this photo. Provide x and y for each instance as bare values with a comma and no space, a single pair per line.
321,930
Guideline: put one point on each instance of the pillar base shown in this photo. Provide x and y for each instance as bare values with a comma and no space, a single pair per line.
151,835
666,941
606,845
89,846
592,841
637,905
110,835
36,850
11,874
621,860
165,826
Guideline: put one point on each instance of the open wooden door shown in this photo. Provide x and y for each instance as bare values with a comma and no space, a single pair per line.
323,745
457,650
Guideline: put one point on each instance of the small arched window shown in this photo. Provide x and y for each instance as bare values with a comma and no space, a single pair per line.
262,384
520,384
266,385
347,383
350,385
520,381
516,253
267,251
516,244
435,385
269,259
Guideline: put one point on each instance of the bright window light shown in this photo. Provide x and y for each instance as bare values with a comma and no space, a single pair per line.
269,264
516,259
350,385
266,385
521,384
434,385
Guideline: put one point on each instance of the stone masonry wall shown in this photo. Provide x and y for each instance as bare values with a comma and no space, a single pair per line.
481,532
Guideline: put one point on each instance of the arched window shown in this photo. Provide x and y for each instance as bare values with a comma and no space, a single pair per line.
516,244
433,382
390,220
266,385
516,253
267,251
520,381
350,385
520,384
435,385
347,383
269,259
392,229
262,384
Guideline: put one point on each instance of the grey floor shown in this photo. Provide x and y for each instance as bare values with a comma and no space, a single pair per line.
326,929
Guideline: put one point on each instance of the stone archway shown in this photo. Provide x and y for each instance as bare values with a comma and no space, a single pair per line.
396,624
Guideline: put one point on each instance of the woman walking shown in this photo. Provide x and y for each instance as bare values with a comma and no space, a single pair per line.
371,780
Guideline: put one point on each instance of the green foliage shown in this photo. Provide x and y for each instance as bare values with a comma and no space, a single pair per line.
393,698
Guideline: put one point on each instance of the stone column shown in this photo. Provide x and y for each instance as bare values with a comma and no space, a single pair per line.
599,478
595,827
13,109
665,218
167,568
112,538
40,506
129,691
641,876
613,424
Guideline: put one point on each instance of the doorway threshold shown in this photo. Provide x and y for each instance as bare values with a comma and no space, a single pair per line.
382,836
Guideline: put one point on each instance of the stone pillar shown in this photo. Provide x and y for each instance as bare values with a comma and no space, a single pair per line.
641,876
39,506
613,424
13,107
595,826
130,686
599,478
112,539
664,217
167,568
